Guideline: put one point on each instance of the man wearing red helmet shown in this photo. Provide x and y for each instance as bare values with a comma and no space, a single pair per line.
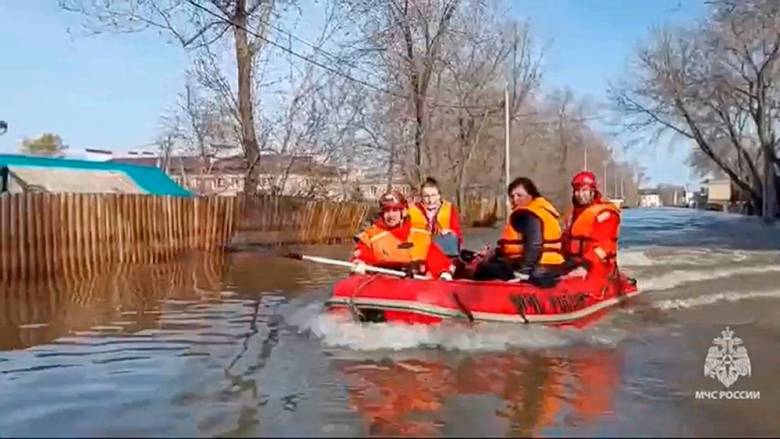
592,229
392,242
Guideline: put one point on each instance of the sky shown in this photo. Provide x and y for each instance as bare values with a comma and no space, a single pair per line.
109,91
591,42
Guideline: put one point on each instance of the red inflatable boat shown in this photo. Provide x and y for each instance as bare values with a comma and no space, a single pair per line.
573,301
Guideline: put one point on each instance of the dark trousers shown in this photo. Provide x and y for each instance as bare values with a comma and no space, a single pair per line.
501,269
494,269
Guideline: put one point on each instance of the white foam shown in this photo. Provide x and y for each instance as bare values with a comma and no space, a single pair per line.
709,299
336,331
675,278
633,258
662,255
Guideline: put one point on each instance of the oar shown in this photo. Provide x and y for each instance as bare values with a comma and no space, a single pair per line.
340,263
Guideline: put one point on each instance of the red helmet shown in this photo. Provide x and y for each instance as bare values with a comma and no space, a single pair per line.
392,200
584,179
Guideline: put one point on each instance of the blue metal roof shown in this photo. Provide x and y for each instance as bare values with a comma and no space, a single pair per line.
152,180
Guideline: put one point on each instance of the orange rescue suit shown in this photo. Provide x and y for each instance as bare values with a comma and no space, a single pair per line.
592,236
510,245
380,246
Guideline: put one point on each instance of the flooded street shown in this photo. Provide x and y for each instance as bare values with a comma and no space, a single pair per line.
236,345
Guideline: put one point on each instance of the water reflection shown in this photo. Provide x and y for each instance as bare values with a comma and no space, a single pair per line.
214,346
411,397
126,299
267,270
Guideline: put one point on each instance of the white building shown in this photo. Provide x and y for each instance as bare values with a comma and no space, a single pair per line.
649,198
91,154
690,198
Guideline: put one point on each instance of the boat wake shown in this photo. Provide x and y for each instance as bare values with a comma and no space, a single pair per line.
338,331
659,256
709,299
675,278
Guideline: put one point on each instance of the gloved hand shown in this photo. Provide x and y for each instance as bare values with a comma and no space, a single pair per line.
487,250
445,276
578,272
523,273
359,267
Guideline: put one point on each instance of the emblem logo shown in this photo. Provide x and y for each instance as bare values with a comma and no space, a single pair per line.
727,359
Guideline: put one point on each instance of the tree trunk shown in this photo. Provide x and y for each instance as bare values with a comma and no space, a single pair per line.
391,168
777,193
419,139
770,189
246,112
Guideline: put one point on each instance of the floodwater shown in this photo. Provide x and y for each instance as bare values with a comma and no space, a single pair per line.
236,345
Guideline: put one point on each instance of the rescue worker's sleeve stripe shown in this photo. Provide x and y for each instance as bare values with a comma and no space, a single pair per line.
379,236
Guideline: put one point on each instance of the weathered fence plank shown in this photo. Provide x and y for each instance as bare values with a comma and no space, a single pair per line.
43,235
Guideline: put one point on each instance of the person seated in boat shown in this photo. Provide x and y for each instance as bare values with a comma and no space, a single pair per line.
592,228
393,242
439,217
530,244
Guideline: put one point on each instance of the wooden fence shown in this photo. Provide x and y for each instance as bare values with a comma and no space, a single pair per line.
266,219
481,211
45,234
42,234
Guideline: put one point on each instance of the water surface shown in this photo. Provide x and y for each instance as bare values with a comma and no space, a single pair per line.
236,345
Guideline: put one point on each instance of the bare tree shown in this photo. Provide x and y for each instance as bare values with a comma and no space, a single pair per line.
197,24
716,86
483,58
196,121
409,34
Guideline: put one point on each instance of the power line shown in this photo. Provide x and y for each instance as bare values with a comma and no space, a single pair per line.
334,57
363,82
329,69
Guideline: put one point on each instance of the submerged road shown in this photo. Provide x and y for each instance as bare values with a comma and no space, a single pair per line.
236,345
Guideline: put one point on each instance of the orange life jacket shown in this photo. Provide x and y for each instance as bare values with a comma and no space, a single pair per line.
440,226
385,245
581,240
510,245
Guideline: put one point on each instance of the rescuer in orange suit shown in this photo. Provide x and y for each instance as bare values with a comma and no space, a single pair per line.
592,229
438,216
393,242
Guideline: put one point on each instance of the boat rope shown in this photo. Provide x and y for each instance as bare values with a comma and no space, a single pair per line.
462,307
358,315
519,302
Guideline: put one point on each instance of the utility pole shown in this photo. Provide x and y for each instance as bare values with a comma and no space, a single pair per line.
506,141
606,186
614,182
585,154
621,187
768,173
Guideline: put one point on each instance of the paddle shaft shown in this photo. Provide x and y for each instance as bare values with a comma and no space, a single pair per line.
371,268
